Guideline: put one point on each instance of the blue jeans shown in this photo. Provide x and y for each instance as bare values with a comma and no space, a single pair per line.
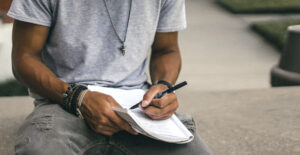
49,130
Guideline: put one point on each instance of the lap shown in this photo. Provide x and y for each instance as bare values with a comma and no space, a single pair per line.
51,130
147,146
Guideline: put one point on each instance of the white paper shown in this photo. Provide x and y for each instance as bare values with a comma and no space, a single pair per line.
126,98
166,128
169,130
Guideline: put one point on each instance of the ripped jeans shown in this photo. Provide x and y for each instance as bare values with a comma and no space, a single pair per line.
49,130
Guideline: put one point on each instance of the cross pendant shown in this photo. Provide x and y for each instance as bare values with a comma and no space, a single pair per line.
123,49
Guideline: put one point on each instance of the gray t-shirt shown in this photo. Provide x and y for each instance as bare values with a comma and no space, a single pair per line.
82,46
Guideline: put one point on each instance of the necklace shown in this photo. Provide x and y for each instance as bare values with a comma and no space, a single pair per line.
122,41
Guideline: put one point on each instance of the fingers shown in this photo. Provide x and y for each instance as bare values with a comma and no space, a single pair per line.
121,123
106,128
161,108
161,113
117,120
151,93
100,116
164,101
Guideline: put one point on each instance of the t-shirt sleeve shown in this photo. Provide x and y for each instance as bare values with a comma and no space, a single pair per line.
32,11
172,16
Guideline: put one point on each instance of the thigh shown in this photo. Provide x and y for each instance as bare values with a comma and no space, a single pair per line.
147,146
51,130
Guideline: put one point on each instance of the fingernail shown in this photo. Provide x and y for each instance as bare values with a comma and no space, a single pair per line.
145,103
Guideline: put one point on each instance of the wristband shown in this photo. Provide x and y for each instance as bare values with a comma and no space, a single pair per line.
79,114
67,96
71,97
164,83
73,104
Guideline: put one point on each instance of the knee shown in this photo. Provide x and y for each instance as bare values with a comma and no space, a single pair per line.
24,146
27,146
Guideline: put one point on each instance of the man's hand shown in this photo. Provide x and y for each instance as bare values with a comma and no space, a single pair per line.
98,113
159,109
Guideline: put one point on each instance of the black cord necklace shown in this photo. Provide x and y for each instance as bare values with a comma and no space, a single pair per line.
123,41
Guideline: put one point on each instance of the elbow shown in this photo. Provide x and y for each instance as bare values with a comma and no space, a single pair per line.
19,64
15,68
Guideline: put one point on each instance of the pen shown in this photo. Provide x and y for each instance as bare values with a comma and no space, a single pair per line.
160,95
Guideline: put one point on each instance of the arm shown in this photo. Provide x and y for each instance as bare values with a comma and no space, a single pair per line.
165,64
28,42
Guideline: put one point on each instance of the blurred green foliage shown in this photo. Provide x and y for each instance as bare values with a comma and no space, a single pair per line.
275,31
261,6
12,88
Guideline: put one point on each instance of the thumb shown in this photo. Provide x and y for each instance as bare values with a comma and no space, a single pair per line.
150,94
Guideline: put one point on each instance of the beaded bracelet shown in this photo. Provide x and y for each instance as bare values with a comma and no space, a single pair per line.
75,99
67,95
71,97
79,114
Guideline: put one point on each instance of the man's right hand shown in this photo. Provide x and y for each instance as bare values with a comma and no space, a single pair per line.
98,113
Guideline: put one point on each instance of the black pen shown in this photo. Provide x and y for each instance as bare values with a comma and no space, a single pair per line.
160,95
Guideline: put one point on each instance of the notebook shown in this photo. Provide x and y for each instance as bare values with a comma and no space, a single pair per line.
170,130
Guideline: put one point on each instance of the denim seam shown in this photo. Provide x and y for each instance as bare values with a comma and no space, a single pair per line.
121,147
91,145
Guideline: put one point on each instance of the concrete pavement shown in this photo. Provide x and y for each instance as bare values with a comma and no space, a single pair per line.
244,122
247,122
220,52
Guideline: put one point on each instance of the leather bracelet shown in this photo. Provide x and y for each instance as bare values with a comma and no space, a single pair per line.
71,105
164,83
75,95
78,112
67,96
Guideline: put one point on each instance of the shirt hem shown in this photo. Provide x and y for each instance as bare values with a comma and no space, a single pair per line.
172,29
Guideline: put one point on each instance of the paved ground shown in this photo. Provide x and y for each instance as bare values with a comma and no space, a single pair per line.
248,122
221,53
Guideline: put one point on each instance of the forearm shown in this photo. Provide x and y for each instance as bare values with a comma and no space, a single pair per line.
30,70
165,66
28,42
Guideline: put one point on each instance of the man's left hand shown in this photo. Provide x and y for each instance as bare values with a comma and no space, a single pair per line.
159,109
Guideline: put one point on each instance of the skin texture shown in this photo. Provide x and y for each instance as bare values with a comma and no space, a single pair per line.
28,41
165,64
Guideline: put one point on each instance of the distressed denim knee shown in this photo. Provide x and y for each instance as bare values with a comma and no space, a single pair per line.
38,135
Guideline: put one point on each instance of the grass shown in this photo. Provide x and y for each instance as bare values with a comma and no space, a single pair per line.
12,88
275,31
261,6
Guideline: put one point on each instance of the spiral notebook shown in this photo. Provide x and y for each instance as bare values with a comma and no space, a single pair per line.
170,130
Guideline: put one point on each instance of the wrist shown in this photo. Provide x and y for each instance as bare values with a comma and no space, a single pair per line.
72,97
80,103
163,82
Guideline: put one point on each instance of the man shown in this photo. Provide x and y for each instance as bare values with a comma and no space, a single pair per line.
95,42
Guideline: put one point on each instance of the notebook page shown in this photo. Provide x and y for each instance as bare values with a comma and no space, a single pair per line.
166,128
182,127
126,98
